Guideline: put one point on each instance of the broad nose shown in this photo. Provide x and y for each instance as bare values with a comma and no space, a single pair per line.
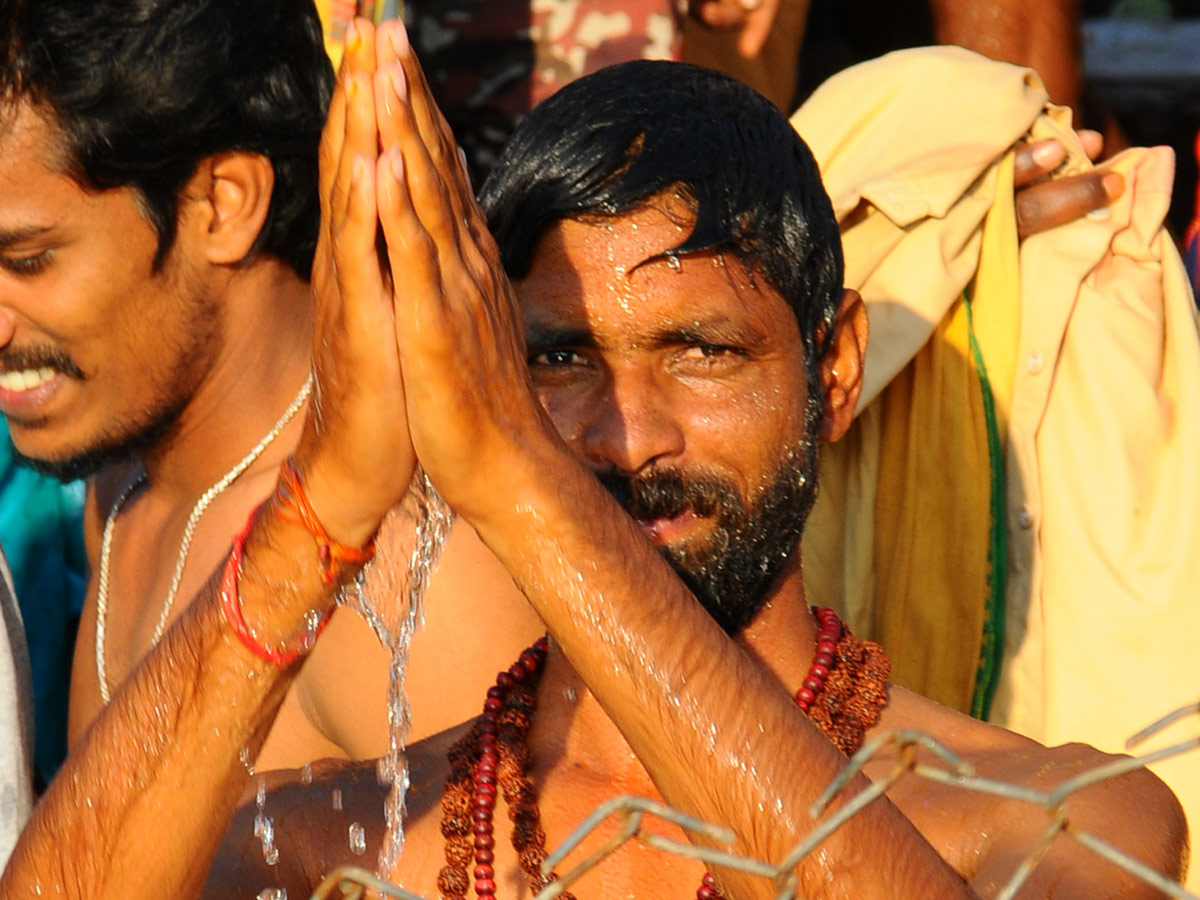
633,424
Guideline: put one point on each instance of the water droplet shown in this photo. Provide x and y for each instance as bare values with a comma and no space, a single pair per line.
673,262
358,839
272,894
337,799
271,856
306,774
247,762
260,796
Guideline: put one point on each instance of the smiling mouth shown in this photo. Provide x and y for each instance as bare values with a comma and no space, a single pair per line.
21,380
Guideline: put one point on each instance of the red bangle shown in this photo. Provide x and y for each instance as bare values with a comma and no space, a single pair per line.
231,606
294,506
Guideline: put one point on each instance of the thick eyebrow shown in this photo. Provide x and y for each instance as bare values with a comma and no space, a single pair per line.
540,336
11,236
713,331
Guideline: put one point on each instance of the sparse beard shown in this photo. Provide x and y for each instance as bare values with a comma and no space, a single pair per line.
112,447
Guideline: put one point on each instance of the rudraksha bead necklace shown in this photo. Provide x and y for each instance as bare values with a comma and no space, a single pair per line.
848,676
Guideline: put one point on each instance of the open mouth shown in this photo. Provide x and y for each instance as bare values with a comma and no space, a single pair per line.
22,380
662,529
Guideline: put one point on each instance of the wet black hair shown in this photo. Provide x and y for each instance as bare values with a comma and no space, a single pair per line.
608,143
141,91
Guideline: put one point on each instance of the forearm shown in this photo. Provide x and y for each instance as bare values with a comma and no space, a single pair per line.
714,730
1043,36
162,763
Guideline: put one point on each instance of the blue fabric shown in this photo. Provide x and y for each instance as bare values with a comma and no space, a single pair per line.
41,530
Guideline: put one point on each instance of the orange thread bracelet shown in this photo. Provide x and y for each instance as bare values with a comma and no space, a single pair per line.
294,506
231,606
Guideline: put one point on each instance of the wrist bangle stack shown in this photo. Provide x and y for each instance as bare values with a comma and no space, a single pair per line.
231,606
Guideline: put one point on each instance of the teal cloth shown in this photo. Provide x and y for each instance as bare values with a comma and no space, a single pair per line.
41,531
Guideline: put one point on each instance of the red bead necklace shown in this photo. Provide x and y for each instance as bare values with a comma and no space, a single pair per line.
528,667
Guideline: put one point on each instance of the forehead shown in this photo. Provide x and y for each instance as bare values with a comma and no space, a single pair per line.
611,274
38,195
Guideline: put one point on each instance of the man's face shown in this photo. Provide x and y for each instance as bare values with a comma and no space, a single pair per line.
98,352
681,383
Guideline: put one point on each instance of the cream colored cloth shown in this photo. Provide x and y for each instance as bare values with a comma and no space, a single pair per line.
1103,392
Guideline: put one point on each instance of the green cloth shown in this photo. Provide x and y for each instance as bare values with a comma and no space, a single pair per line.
41,531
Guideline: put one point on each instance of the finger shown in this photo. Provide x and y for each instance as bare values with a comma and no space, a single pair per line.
1092,141
757,28
431,124
436,189
1053,203
355,262
391,93
359,135
719,13
1033,161
411,253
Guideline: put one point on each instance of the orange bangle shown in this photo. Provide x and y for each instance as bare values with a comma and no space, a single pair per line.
231,606
294,506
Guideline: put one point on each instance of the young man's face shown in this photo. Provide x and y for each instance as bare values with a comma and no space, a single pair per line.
98,352
681,383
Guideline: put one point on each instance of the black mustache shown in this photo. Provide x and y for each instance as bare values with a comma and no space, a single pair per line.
666,493
23,358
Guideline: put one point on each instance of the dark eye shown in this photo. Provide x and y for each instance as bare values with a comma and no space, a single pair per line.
26,265
711,351
554,358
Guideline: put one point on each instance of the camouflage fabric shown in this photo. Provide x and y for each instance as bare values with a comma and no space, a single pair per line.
490,61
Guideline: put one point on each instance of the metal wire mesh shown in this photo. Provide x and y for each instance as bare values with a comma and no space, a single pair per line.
950,770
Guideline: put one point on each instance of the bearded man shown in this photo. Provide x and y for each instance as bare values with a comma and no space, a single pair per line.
676,331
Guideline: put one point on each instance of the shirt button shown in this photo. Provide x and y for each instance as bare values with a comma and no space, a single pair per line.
1025,517
1034,362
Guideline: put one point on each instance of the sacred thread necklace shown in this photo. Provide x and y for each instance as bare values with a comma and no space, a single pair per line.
185,544
844,693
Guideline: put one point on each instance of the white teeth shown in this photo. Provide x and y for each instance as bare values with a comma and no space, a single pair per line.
25,380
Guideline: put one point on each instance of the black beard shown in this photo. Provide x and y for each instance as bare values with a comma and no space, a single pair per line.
733,571
109,449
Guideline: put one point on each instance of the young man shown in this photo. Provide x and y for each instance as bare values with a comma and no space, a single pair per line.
158,214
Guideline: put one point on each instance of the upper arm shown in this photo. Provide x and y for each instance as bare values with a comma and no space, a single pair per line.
1136,814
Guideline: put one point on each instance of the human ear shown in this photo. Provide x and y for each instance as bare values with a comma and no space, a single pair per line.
842,366
230,196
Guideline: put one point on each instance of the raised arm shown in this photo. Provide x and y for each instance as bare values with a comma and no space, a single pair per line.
714,730
141,804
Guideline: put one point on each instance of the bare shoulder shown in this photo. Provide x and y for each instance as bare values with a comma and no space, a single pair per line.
1019,793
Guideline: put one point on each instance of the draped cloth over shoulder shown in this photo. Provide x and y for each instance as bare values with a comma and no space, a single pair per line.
1086,340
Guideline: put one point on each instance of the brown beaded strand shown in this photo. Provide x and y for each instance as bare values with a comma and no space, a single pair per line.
844,693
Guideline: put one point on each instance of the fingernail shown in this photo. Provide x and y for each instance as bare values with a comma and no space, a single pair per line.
358,170
1114,184
353,38
396,160
462,161
399,38
399,81
1046,153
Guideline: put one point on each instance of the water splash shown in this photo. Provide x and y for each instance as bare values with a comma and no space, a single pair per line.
433,519
358,839
272,894
264,825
